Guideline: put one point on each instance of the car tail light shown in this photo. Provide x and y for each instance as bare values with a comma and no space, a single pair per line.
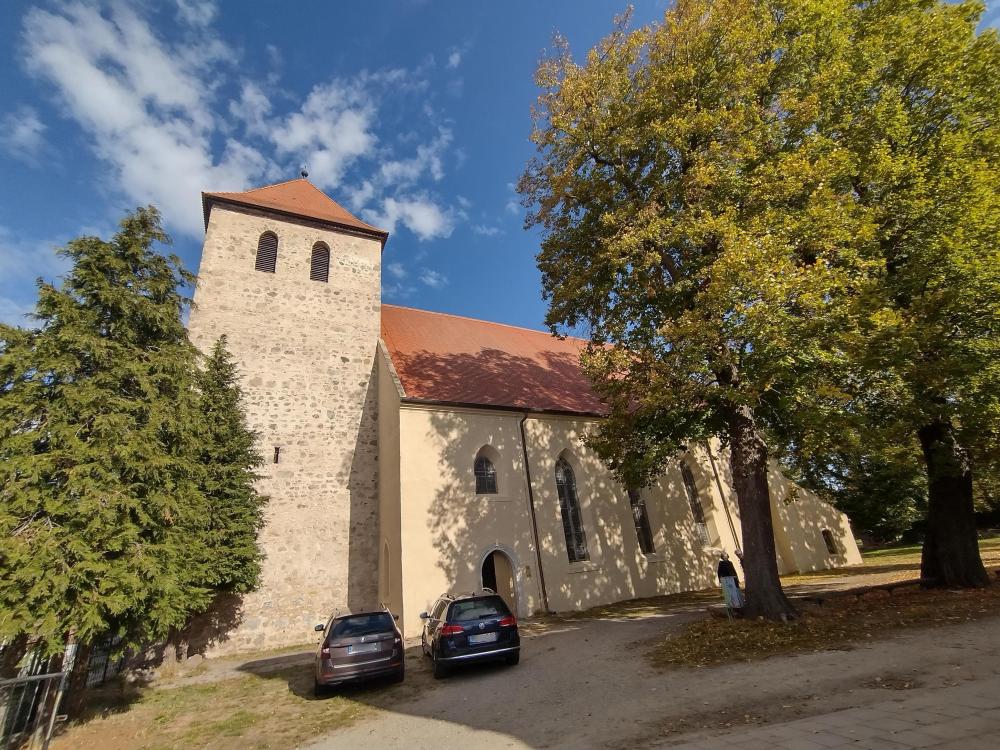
452,630
508,622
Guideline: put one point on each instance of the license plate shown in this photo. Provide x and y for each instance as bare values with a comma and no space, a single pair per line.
483,638
362,648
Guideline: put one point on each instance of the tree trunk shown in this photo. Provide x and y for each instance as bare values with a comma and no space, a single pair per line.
950,555
748,461
11,655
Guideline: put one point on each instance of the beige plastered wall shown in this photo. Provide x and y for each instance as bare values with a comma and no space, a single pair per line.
446,530
306,356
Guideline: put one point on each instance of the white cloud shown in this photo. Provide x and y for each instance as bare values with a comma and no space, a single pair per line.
151,109
485,231
21,134
454,59
419,214
333,128
252,109
22,261
405,172
143,103
398,291
196,12
433,279
397,270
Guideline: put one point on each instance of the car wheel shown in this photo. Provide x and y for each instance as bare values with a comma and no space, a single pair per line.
514,658
440,670
319,689
398,677
423,646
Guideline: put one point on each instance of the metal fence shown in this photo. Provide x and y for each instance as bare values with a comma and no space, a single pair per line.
28,709
104,663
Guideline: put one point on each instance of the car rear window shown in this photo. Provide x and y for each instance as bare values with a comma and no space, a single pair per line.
477,609
363,624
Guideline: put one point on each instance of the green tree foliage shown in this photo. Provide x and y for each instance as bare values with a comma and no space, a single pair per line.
697,222
107,524
228,458
923,117
920,110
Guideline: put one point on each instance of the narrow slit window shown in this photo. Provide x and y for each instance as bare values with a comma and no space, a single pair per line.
319,267
691,489
641,518
277,453
486,476
569,507
267,252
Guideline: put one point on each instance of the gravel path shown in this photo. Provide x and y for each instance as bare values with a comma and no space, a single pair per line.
587,684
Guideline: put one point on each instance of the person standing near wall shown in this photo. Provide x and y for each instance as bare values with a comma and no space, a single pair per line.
730,583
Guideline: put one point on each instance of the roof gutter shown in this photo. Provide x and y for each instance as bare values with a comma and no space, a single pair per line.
534,521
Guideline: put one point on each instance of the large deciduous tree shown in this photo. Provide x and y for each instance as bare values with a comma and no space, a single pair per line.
123,466
701,226
922,117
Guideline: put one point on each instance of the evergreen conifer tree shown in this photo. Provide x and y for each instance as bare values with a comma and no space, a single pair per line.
229,458
122,465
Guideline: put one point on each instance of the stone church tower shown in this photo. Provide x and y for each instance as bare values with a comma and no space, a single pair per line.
293,281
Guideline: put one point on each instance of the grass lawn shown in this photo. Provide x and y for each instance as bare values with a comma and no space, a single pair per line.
274,711
840,622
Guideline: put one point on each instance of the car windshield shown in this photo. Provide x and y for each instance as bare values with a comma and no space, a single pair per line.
477,609
365,624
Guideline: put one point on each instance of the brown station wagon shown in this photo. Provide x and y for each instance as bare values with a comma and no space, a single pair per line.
358,646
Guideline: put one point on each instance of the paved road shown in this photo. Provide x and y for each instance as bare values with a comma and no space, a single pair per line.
966,717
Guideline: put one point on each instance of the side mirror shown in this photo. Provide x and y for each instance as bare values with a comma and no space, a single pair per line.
396,618
424,616
320,628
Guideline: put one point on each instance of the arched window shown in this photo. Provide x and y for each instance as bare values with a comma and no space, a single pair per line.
830,542
642,531
569,506
267,252
691,490
486,476
319,267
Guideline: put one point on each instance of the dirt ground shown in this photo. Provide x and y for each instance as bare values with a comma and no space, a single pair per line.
584,681
588,685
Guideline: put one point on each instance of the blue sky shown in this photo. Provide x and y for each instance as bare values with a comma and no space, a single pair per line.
415,115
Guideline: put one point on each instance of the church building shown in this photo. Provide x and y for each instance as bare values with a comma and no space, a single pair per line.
411,453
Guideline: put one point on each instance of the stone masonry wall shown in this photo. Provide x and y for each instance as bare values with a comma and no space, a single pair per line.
306,353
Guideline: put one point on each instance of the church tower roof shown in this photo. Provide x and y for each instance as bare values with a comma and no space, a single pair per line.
299,198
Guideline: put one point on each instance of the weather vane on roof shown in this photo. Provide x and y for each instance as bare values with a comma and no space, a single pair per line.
304,172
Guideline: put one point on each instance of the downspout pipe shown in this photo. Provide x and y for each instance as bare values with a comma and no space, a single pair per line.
534,522
722,494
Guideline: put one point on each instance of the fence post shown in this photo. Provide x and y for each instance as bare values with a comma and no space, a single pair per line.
69,659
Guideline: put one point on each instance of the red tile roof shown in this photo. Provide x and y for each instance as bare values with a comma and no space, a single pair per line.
297,197
445,358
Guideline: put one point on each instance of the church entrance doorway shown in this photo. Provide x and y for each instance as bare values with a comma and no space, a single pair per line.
498,575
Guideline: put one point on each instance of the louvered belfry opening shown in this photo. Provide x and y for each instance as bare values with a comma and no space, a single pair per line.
319,268
267,252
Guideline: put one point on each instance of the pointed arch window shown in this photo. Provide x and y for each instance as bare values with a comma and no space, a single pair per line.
486,476
267,252
569,506
691,490
642,531
319,267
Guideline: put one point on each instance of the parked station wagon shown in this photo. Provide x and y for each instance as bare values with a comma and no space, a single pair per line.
469,628
358,646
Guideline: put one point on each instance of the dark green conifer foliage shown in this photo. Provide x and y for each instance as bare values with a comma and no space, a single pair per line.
229,459
106,518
